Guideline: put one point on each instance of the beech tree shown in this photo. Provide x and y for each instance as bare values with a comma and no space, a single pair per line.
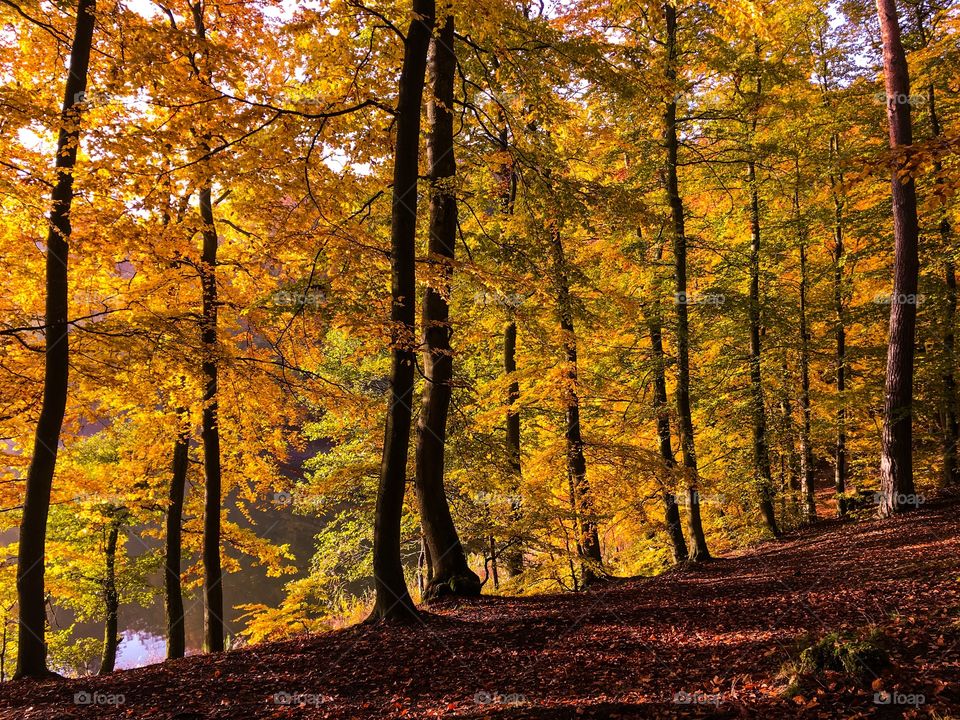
32,603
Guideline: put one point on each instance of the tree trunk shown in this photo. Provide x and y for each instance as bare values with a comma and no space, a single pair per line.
698,541
210,436
31,646
451,574
951,426
392,597
589,541
896,463
111,600
806,449
176,635
513,555
761,451
840,332
671,512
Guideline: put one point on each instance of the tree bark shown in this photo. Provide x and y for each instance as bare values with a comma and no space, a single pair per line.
951,426
513,555
698,543
111,599
761,451
31,646
807,485
176,634
896,462
392,597
210,436
589,539
671,512
840,333
451,574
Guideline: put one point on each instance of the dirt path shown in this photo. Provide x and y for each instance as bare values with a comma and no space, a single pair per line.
715,637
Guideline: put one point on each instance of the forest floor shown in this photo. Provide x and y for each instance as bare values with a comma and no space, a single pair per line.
704,642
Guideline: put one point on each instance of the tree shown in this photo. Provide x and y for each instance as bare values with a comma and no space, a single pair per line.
392,597
450,572
31,649
896,460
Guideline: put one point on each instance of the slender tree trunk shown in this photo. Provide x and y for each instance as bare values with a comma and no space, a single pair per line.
392,597
31,646
176,635
452,575
840,332
671,511
210,436
698,541
806,449
896,463
761,451
111,600
213,624
589,541
951,426
513,556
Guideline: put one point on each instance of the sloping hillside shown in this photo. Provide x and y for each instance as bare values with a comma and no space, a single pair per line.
691,643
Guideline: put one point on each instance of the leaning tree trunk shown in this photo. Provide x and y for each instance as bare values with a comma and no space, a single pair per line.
589,539
111,599
806,447
31,647
176,635
761,451
896,463
698,540
451,574
392,597
951,426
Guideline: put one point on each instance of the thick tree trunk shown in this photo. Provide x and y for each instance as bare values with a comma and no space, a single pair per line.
671,512
761,451
698,541
392,597
896,463
31,646
176,636
451,574
513,556
589,540
111,600
951,426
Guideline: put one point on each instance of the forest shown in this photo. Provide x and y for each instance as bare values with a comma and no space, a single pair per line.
479,358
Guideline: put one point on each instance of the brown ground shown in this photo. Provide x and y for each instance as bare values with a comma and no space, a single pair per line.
624,650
